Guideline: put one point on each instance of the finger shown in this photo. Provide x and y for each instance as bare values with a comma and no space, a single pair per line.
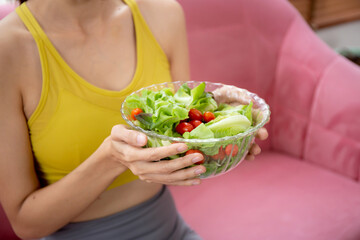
231,94
128,153
155,154
170,166
249,157
178,176
165,166
268,120
262,134
255,149
123,133
191,182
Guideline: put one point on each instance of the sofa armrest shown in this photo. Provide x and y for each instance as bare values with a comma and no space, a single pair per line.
316,104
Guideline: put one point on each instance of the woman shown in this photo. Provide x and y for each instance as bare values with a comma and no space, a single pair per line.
68,169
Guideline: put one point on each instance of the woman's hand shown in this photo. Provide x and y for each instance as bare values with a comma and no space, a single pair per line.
234,96
126,148
262,135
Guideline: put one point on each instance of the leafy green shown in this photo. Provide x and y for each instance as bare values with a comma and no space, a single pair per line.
200,132
247,111
195,98
166,115
223,126
225,109
163,110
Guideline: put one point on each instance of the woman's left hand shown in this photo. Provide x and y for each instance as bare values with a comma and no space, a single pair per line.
262,135
234,96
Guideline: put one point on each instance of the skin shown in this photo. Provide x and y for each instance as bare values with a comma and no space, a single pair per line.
96,38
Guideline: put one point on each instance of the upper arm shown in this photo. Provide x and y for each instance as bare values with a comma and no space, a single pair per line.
167,22
17,175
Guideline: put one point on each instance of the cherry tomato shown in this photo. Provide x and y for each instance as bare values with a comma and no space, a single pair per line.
208,116
195,114
229,147
191,151
135,112
195,123
184,120
220,155
184,127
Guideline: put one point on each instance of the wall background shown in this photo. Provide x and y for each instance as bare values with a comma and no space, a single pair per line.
336,36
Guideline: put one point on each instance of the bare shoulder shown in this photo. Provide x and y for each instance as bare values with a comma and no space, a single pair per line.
165,13
164,17
17,48
162,7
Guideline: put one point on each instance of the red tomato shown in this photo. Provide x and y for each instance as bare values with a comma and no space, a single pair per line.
191,151
208,116
220,155
195,114
229,147
184,127
135,112
184,120
195,123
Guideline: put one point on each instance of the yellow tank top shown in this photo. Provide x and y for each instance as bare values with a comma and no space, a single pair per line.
73,116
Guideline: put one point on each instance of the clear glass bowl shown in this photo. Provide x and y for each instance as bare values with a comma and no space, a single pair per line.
232,149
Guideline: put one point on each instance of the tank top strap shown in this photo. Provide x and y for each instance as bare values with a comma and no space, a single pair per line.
40,38
30,22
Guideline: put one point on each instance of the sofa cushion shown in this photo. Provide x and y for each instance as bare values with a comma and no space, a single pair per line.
274,197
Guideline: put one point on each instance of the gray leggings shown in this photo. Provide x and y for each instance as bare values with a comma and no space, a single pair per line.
155,219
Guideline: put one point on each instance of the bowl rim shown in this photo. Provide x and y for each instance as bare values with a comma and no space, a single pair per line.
265,111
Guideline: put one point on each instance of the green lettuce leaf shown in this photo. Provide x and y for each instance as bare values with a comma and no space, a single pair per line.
200,132
195,98
231,125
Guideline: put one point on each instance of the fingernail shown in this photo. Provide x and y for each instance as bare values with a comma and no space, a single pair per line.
196,159
182,148
141,139
199,171
195,182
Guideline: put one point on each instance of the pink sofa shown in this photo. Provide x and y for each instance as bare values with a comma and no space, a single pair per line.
305,184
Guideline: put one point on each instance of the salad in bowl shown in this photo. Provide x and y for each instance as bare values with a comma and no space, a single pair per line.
219,121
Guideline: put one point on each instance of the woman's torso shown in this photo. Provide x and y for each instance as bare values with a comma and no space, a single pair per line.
102,58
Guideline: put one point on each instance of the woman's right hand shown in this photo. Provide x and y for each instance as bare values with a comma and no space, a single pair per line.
126,148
